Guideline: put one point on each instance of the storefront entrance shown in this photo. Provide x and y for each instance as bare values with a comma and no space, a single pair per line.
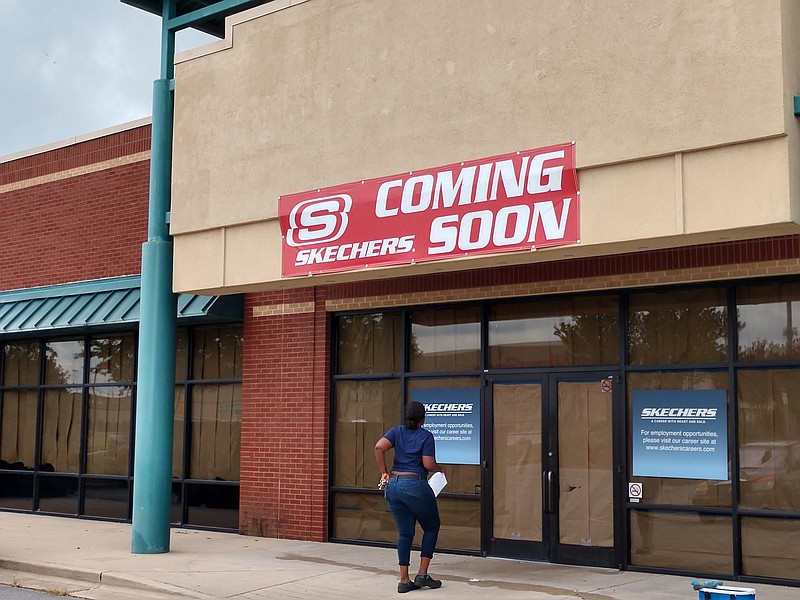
550,468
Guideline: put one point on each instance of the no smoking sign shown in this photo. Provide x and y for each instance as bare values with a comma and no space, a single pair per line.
635,491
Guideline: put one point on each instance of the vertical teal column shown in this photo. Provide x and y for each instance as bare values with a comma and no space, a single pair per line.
152,473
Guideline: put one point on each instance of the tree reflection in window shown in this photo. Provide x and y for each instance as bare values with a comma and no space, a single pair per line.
678,327
111,359
64,362
370,343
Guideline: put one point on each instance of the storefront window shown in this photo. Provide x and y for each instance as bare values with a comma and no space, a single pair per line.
216,431
61,432
445,339
64,362
677,490
217,353
108,441
370,343
80,408
769,439
770,547
106,498
181,352
681,541
58,494
686,327
573,331
178,424
111,359
365,410
678,359
18,433
766,321
360,516
21,363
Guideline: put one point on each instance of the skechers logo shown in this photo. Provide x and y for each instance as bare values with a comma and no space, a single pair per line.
319,220
679,413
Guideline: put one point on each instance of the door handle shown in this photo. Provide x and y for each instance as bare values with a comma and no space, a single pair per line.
547,484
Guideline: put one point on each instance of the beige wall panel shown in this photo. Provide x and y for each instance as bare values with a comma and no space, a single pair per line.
253,253
629,201
737,186
329,92
791,83
198,260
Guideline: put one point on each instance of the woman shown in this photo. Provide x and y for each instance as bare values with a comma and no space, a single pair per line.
408,493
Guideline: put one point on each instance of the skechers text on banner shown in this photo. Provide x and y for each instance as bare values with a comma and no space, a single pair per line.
517,201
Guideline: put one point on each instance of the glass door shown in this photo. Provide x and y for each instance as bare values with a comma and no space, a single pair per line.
515,470
579,493
550,469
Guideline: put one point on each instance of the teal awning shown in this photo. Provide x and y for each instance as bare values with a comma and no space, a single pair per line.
102,302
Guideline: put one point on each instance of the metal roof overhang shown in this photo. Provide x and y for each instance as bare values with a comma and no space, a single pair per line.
102,303
217,9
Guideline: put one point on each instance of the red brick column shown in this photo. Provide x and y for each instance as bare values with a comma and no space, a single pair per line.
285,411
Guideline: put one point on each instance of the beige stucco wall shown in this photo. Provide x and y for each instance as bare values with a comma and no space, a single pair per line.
681,113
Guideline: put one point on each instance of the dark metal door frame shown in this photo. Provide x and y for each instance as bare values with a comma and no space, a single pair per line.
549,549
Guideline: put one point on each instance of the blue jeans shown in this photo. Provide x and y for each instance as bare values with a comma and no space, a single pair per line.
412,501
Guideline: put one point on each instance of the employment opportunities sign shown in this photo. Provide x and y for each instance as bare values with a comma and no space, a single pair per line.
517,201
680,434
453,416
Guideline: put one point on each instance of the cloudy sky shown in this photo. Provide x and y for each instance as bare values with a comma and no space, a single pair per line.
71,67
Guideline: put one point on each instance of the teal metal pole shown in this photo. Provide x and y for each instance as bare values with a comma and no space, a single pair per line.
152,472
155,391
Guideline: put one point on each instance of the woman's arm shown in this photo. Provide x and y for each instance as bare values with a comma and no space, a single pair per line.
380,456
430,464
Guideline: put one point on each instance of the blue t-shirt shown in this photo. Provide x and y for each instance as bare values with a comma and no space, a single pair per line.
410,445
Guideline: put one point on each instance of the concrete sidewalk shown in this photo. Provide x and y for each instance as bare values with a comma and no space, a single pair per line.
91,559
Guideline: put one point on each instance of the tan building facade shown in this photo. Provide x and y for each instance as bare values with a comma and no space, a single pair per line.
681,115
678,295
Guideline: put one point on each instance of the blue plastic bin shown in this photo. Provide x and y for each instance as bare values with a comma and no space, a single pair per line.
725,592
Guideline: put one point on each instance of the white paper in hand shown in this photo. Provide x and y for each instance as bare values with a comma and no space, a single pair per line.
437,482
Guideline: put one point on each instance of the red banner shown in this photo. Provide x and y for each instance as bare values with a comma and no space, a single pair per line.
517,201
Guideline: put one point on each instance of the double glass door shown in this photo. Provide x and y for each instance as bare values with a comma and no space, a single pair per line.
551,469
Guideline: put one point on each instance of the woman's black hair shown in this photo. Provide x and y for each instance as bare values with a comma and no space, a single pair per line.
415,414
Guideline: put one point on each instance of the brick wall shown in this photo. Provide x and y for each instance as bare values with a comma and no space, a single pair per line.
284,464
286,401
762,257
75,213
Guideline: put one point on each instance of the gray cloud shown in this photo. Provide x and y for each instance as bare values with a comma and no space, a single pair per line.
71,67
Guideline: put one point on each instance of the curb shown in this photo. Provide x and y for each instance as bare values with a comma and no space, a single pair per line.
51,570
98,578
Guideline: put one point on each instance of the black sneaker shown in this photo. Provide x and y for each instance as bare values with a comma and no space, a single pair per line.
427,581
403,587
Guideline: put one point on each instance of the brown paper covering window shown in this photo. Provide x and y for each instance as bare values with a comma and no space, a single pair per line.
108,441
61,435
216,432
681,541
370,343
517,464
769,436
18,433
770,547
586,512
365,410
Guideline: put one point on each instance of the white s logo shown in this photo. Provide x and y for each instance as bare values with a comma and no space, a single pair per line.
318,220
